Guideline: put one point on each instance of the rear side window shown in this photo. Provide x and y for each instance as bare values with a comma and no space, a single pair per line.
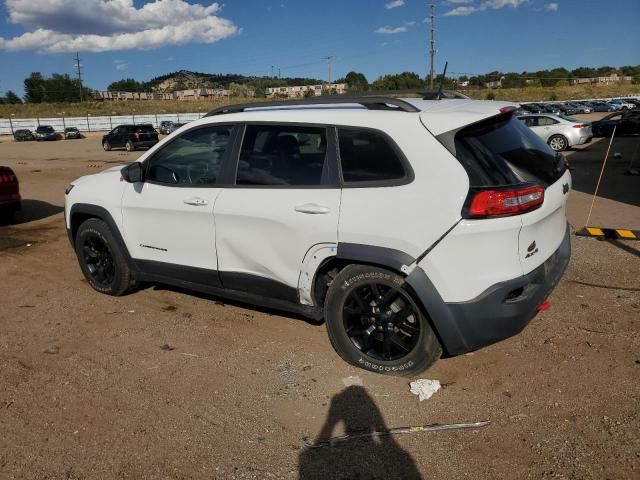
367,156
283,155
503,151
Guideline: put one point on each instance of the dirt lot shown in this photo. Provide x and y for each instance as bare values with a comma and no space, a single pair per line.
87,392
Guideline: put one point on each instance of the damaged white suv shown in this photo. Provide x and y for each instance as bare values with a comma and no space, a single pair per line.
413,227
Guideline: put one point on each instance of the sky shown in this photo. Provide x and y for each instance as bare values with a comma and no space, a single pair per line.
146,38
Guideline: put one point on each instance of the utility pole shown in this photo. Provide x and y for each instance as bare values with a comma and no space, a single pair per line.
79,73
279,73
329,61
432,52
272,76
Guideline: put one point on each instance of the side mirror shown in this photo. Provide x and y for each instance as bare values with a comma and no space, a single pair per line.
132,173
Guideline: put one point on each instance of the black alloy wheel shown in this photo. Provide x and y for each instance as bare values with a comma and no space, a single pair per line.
381,321
99,260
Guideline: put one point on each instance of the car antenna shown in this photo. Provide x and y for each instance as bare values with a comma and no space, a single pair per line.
439,96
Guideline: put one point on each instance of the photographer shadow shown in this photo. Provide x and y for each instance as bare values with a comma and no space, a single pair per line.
368,458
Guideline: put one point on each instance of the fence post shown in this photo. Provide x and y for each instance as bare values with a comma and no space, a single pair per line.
178,118
64,125
156,115
110,123
88,126
38,120
11,125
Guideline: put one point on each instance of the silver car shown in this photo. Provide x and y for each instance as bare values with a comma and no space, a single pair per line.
558,131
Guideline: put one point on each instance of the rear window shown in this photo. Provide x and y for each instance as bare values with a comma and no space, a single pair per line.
503,151
143,128
366,156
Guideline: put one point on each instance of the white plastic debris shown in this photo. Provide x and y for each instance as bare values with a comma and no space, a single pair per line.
352,380
425,388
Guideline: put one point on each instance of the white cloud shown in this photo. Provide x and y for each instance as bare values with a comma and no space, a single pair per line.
394,4
486,5
387,30
460,1
551,7
62,26
409,24
121,65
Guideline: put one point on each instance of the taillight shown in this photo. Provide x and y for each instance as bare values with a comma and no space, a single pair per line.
580,125
506,201
7,176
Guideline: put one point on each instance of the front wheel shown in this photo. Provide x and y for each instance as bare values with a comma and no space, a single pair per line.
106,146
558,143
101,260
374,322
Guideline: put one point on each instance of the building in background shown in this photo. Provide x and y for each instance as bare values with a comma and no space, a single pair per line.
301,90
185,95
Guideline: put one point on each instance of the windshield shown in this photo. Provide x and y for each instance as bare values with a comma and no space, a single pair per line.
143,128
504,151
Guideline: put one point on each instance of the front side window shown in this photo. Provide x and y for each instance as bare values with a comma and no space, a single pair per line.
366,156
283,155
193,158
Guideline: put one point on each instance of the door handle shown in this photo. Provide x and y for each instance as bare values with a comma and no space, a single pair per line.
197,202
312,209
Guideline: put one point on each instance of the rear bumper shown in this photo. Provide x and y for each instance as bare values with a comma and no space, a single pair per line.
11,204
501,311
145,143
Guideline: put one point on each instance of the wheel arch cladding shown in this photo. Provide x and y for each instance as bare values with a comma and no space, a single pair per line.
423,289
81,212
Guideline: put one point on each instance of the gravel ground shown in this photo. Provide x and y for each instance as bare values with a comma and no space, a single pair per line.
168,384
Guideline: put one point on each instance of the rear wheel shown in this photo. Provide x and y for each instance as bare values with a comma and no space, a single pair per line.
129,146
374,322
558,143
101,260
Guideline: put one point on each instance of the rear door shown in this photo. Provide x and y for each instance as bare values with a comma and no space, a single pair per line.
284,200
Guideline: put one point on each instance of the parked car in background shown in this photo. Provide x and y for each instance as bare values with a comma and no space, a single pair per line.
45,132
551,108
10,200
71,133
532,108
164,127
174,127
282,207
559,132
130,137
625,122
622,104
633,101
23,135
578,107
600,106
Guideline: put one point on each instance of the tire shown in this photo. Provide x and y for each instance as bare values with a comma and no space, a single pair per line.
106,146
101,259
129,146
558,143
395,340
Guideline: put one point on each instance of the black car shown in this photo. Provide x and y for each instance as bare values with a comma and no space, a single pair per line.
23,135
130,137
71,132
45,132
626,123
532,108
599,106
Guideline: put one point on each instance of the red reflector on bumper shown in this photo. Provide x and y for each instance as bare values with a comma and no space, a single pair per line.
544,306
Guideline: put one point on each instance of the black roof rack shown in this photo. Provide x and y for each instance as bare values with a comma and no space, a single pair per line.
370,100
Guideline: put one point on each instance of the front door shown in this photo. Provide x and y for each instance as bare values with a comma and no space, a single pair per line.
285,200
168,219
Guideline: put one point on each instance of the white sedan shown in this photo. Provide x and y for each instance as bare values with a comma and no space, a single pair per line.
558,131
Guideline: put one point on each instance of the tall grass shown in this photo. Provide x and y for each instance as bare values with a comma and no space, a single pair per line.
43,110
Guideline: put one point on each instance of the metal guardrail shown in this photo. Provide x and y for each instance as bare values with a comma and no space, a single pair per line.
91,123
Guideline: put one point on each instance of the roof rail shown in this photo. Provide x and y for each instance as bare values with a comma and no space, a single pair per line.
371,102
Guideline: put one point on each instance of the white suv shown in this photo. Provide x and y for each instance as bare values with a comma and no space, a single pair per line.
413,227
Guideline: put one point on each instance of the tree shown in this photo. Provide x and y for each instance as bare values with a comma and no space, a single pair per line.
34,88
402,81
357,82
11,98
128,85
